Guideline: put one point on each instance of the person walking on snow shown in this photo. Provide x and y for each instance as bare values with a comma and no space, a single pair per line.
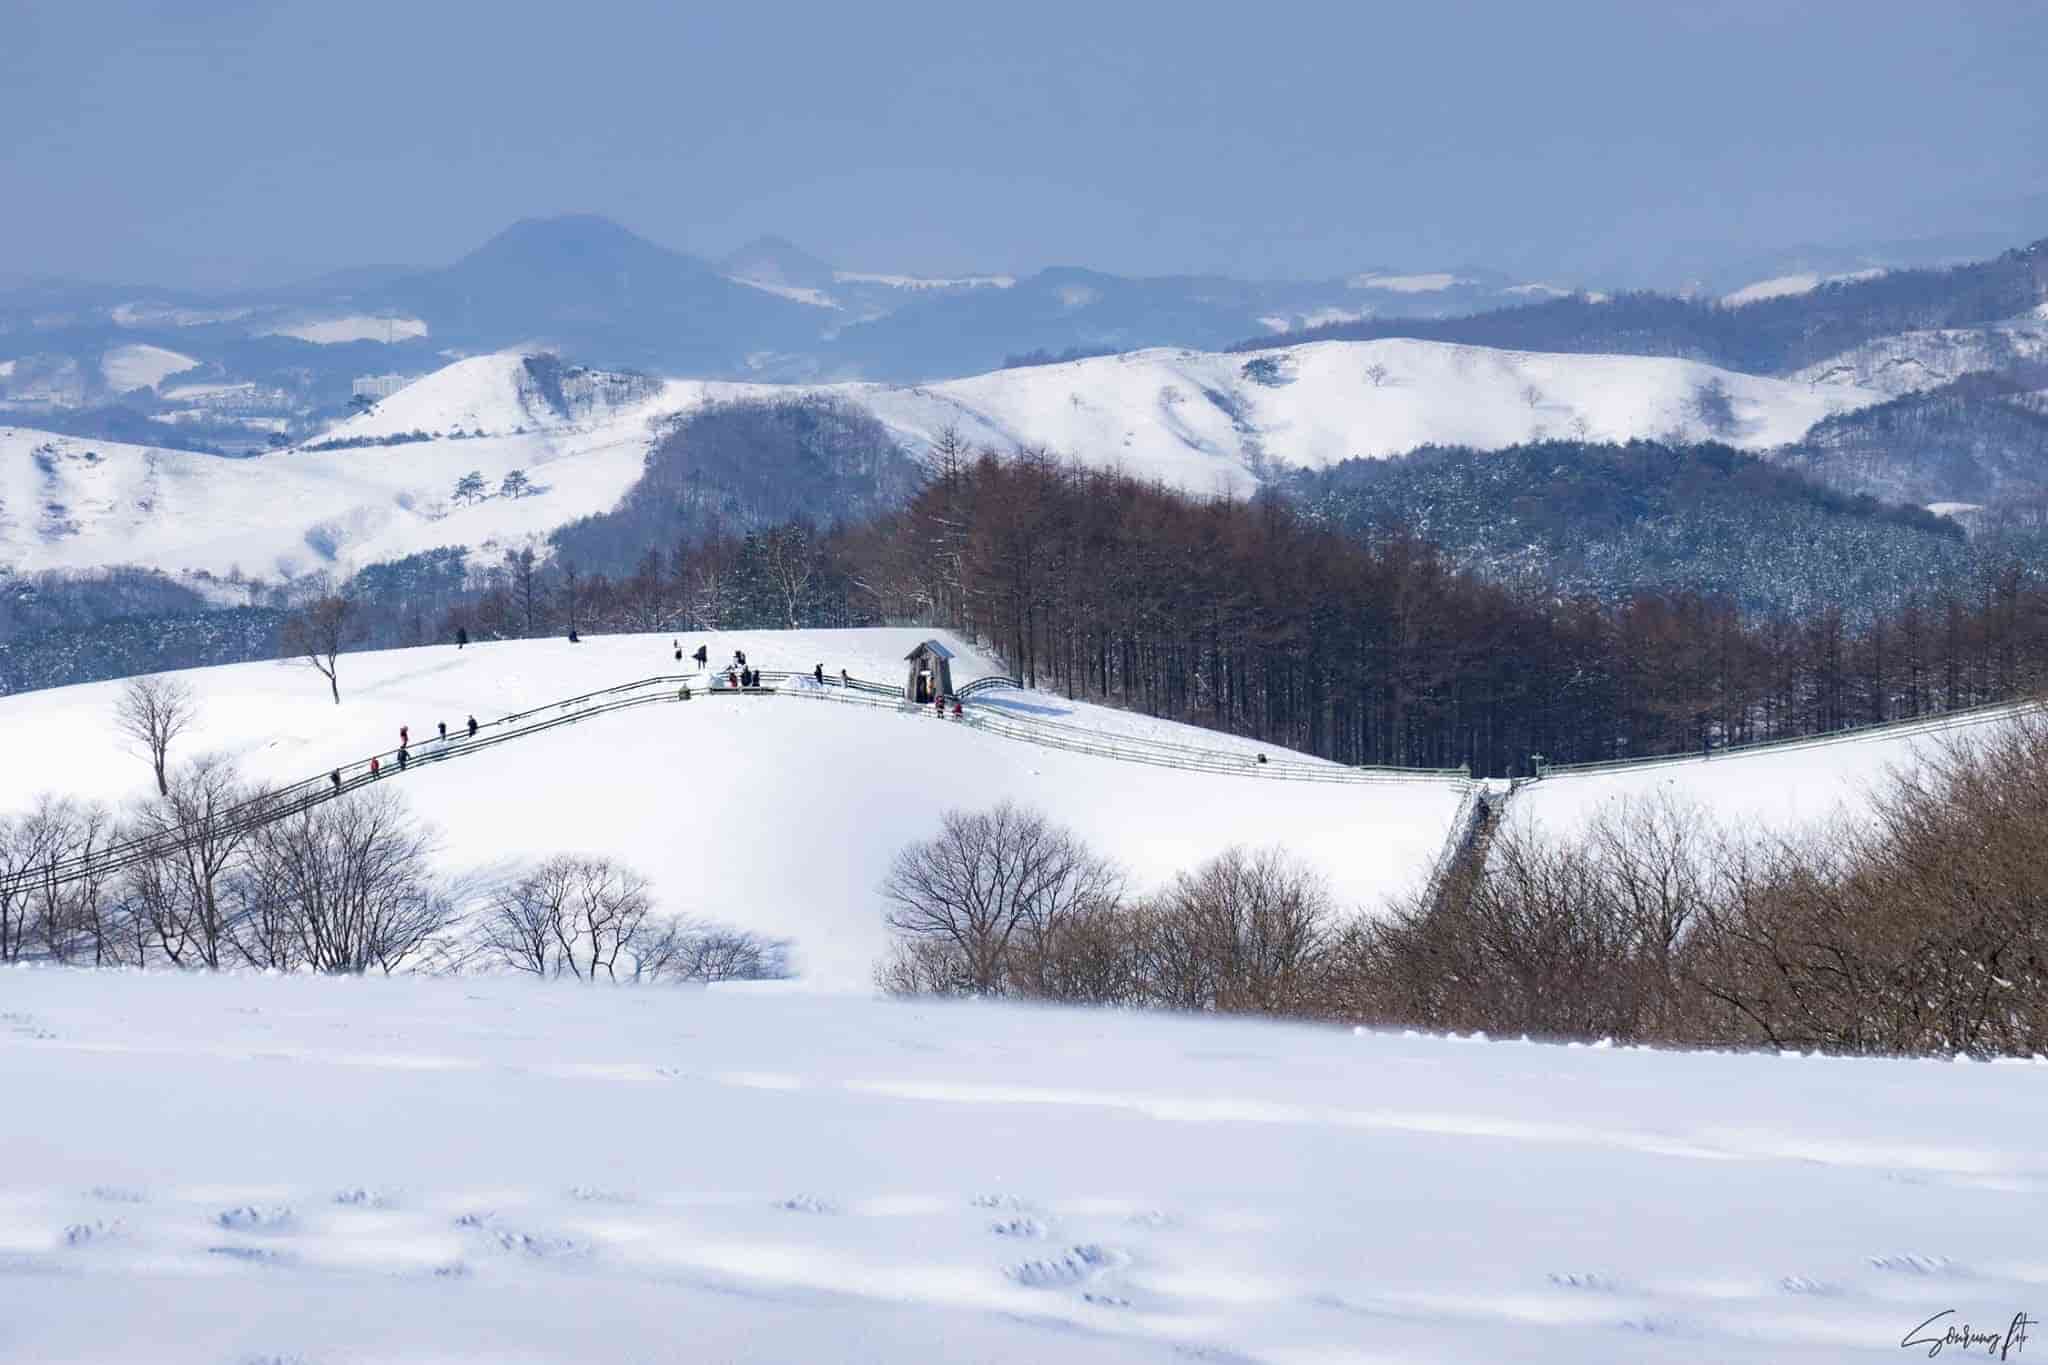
444,732
375,767
461,636
404,736
702,656
403,758
335,778
819,674
472,727
844,681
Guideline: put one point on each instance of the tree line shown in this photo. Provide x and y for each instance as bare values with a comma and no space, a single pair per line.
1917,931
1259,619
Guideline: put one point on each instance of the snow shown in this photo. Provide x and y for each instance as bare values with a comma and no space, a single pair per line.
1771,791
1788,286
6,369
355,327
710,797
1911,362
141,367
238,1168
1196,421
816,298
920,282
1432,283
1538,289
1193,420
1950,509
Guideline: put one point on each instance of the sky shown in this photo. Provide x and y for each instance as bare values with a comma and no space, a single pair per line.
205,145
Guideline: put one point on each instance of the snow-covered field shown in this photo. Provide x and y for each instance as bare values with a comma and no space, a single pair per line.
141,367
1194,420
1773,791
776,815
223,1170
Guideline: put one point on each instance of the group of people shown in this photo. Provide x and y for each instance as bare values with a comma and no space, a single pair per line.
404,754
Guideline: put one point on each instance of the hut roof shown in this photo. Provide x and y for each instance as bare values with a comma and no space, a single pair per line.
931,647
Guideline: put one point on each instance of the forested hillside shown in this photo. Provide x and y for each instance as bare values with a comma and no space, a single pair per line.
1574,518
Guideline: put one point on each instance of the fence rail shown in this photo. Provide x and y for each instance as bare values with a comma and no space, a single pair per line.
1918,725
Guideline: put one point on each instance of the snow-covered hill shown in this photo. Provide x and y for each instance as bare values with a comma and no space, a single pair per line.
1913,361
210,1169
1199,421
712,798
1772,791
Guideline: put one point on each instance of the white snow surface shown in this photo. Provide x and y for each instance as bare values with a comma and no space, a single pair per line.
1910,362
1788,286
1431,282
198,1170
926,282
776,814
1771,791
354,327
1193,420
141,367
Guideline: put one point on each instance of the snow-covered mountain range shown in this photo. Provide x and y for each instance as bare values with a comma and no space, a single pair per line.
380,485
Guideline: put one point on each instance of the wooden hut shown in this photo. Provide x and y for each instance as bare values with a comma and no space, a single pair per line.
931,673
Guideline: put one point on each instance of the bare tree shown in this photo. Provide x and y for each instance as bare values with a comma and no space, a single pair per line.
317,633
993,880
342,886
153,711
200,831
791,563
1377,374
569,916
1244,932
683,950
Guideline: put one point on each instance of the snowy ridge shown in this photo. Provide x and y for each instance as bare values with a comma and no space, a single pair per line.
1911,362
1198,421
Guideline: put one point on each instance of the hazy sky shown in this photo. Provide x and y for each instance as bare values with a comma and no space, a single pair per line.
195,143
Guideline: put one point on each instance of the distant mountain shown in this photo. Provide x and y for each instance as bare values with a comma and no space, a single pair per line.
775,260
1776,334
588,286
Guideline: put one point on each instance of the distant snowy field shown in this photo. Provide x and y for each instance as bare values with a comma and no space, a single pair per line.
1194,420
776,815
226,1170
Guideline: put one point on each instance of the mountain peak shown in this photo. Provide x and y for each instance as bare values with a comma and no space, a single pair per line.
775,260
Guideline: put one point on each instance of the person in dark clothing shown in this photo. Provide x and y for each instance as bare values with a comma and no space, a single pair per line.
461,636
335,778
844,681
702,656
939,705
574,638
403,758
472,727
444,732
404,736
741,655
819,674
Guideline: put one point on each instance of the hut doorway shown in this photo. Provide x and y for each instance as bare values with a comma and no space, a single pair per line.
931,673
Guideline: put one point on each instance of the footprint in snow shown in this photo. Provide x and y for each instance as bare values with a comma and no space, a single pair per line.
271,1218
1908,1264
1001,1201
807,1203
1596,1283
90,1234
1018,1227
1800,1284
1075,1264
